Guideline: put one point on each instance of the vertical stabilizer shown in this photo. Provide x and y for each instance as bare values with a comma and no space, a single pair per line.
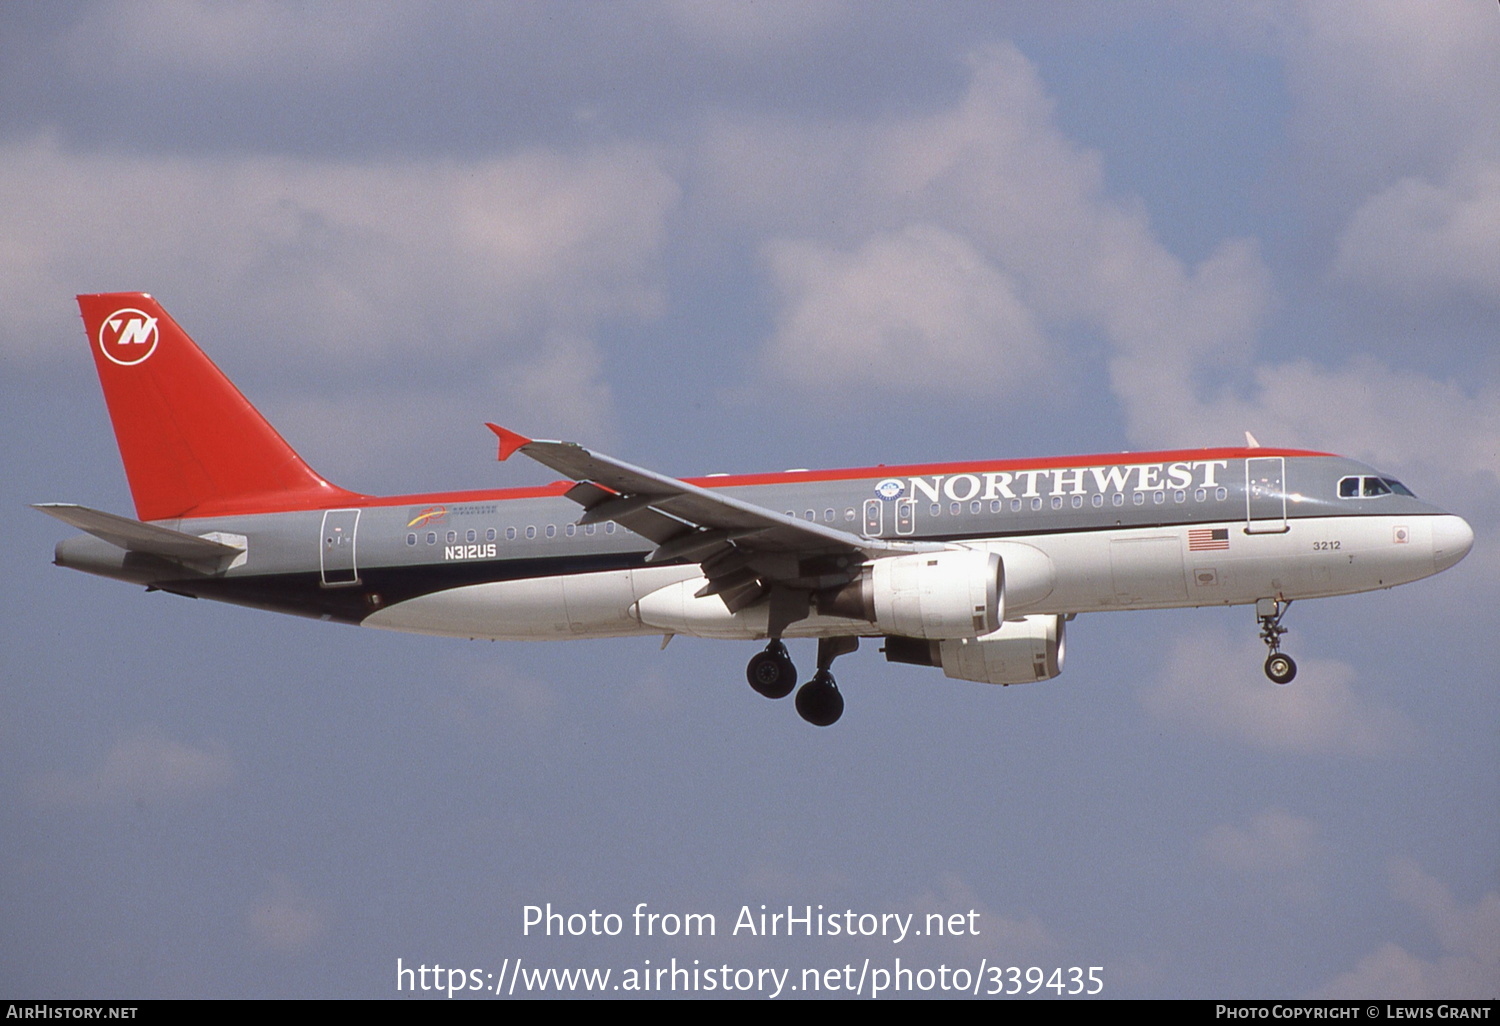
191,443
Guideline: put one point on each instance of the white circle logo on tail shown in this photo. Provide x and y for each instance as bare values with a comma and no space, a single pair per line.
128,336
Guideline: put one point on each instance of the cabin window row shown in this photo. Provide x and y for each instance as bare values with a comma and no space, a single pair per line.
511,533
1157,498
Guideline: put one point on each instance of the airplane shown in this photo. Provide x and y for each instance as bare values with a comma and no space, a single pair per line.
973,568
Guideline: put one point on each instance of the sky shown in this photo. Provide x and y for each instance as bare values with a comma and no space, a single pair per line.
709,237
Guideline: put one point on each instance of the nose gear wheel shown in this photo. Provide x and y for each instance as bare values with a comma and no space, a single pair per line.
1280,667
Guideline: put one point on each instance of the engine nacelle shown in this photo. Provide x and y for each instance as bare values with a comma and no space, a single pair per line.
1020,652
956,593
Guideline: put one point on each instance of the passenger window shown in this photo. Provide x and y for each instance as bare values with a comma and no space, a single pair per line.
994,505
976,506
1139,498
411,539
811,514
1036,503
609,528
571,530
589,528
1221,494
510,534
849,514
489,534
1057,502
955,508
431,537
1118,498
452,537
1179,496
1159,498
472,536
937,510
1200,495
551,530
531,530
1015,505
1098,499
828,516
1078,502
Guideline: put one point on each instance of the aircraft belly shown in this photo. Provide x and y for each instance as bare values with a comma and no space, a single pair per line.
676,609
592,605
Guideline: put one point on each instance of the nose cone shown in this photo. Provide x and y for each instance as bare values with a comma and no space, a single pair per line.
1452,538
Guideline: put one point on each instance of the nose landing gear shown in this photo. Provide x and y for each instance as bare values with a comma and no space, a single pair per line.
1279,667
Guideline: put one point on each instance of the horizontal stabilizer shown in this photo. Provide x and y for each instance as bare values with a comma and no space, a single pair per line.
134,536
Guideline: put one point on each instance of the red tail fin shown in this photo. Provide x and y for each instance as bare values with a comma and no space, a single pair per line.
191,443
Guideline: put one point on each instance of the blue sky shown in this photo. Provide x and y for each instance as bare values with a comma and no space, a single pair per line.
710,237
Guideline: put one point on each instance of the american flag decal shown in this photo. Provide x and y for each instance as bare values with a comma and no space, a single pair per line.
1205,539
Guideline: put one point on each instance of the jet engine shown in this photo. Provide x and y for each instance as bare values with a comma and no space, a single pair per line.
956,593
1020,652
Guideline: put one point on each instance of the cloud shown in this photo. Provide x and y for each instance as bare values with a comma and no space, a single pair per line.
1214,684
414,258
958,245
1274,841
1427,240
1399,156
145,768
1403,421
1468,936
1385,89
919,306
357,433
965,238
231,40
284,919
757,29
1275,852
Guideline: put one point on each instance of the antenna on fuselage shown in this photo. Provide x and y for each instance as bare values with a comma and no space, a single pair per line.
1250,442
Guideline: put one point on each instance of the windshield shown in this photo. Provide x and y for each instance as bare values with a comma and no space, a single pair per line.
1369,486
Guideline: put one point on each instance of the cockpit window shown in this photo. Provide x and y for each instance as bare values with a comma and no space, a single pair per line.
1369,487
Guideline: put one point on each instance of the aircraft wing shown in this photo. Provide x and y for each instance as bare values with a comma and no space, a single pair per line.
745,549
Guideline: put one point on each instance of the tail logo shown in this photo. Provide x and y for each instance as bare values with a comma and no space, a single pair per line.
128,336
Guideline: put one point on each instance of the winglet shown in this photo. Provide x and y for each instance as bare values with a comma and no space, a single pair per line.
509,440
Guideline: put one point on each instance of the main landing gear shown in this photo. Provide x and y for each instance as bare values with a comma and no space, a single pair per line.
1279,666
772,674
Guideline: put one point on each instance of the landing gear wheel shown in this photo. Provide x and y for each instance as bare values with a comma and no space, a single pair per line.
819,701
1280,668
771,672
